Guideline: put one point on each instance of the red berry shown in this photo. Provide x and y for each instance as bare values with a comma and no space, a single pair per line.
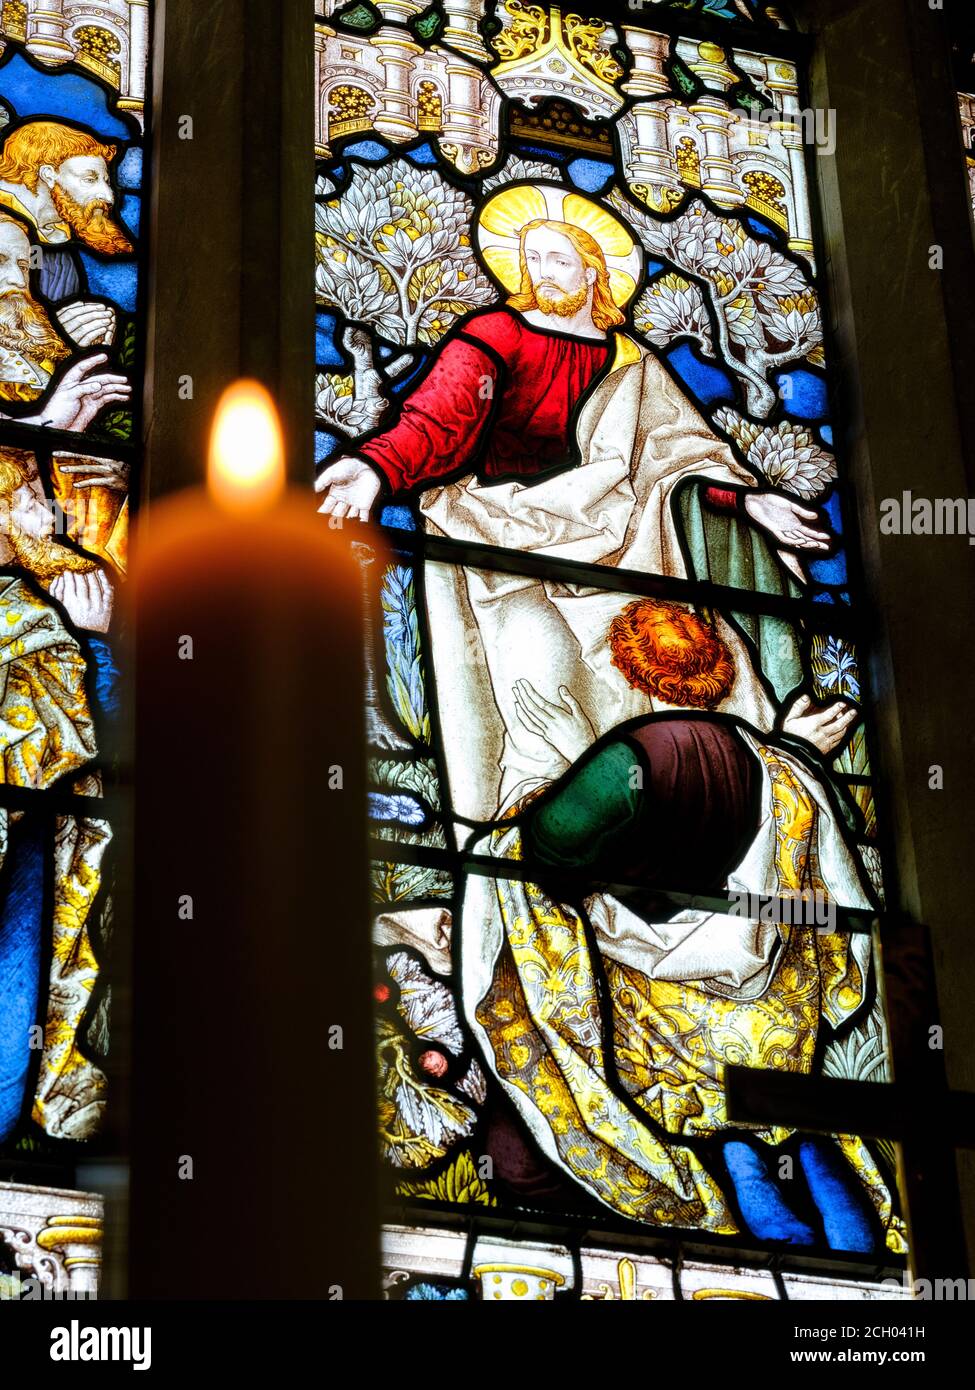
433,1062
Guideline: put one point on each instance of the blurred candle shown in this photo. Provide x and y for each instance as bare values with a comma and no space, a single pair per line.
252,1095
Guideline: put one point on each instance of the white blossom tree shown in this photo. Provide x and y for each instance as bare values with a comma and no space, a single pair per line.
515,168
786,455
740,298
393,251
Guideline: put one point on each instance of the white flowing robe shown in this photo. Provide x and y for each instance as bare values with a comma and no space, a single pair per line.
639,438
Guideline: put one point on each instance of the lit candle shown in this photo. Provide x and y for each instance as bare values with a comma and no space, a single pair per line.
252,1089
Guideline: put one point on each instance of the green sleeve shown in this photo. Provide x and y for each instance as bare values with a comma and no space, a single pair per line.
728,549
581,823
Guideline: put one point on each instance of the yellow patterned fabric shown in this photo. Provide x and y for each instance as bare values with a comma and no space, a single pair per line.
98,517
46,733
544,1024
45,723
70,1094
17,391
671,1040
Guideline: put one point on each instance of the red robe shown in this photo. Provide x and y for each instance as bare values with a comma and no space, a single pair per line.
501,398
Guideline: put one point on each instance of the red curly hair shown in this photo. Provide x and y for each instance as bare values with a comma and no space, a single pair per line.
36,143
671,654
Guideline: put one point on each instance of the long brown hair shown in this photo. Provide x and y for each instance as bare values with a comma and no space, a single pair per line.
605,314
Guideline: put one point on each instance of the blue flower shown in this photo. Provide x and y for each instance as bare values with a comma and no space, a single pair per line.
440,1293
836,668
400,808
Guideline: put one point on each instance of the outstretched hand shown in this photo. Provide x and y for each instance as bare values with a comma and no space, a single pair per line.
565,727
787,521
350,487
80,394
824,726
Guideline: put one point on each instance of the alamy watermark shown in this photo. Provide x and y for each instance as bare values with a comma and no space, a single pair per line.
79,518
908,515
807,910
934,1290
815,125
27,1288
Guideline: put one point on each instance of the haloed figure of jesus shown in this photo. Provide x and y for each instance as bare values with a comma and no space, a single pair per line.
542,426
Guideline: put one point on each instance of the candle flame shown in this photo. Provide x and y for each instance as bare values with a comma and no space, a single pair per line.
246,466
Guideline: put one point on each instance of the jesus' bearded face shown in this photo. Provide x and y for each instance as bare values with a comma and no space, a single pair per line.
560,280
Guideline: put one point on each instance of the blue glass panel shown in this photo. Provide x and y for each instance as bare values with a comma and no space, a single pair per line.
400,517
369,150
130,169
591,175
67,95
808,399
707,382
834,511
131,213
325,445
115,280
326,353
763,228
21,932
542,152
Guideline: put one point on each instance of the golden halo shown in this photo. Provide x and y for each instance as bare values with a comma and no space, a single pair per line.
498,229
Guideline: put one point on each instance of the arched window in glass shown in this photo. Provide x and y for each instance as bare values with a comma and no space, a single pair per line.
72,95
571,356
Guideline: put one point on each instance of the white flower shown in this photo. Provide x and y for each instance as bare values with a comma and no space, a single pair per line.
788,457
337,407
394,251
795,322
515,169
743,431
672,306
425,1003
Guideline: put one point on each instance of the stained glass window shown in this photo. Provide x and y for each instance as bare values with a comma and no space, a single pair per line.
72,92
966,112
755,11
960,35
571,355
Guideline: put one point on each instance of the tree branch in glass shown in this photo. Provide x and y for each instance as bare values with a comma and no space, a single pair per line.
393,252
738,289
